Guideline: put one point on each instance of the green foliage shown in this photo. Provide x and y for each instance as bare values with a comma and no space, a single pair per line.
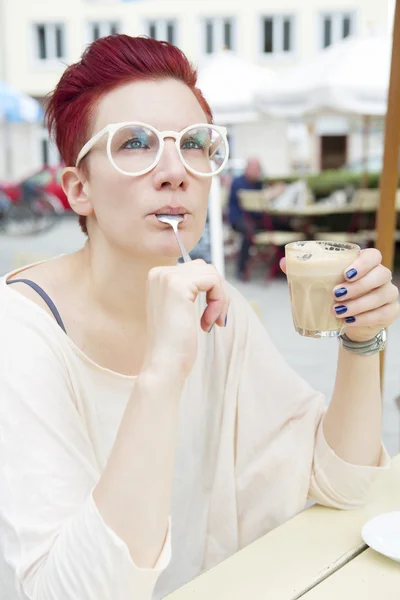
326,182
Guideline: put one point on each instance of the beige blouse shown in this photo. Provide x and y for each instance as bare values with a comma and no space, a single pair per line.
250,451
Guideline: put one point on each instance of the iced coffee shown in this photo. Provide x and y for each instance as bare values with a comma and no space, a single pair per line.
313,269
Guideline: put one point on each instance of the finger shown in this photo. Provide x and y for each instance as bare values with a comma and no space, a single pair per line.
214,314
194,282
217,301
367,260
223,318
282,264
386,294
203,277
378,318
375,278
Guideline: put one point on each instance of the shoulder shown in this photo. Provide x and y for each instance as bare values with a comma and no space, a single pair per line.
27,326
48,275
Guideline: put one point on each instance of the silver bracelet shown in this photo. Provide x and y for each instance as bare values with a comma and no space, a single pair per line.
377,344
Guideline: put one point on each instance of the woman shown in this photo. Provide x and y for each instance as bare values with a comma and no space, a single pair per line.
128,419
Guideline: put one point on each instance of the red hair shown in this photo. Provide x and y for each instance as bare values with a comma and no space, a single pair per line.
106,64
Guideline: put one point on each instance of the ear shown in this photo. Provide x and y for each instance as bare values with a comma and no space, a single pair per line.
76,186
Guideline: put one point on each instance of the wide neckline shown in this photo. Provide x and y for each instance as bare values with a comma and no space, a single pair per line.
57,329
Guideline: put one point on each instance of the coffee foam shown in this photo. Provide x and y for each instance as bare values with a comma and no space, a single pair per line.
320,249
319,259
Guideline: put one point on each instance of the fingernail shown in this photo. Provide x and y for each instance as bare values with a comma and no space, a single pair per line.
226,320
209,331
351,273
350,319
340,292
340,310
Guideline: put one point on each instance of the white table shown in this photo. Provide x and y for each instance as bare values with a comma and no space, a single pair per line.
299,555
370,576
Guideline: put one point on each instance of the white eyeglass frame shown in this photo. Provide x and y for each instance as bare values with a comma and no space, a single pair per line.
112,128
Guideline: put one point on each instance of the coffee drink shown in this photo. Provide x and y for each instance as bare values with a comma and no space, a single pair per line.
313,269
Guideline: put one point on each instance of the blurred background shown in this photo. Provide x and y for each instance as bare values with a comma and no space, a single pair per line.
265,38
301,87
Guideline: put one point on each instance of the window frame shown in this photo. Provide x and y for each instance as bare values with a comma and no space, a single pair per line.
278,35
50,42
105,28
337,20
53,155
161,25
218,25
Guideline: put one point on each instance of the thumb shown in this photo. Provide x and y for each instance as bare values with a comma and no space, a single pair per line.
282,264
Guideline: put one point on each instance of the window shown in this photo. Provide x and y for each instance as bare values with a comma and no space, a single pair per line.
171,32
287,35
101,29
327,32
48,151
228,34
49,41
218,34
346,27
335,27
163,29
277,34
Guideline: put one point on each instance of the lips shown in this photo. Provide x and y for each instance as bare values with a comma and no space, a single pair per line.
171,210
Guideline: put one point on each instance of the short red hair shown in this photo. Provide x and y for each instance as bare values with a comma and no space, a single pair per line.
107,63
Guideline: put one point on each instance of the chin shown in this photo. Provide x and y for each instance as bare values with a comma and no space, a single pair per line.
168,246
163,252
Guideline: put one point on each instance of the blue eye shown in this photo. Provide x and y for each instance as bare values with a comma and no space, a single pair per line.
136,144
192,144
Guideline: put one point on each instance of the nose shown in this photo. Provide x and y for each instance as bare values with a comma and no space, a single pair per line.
170,171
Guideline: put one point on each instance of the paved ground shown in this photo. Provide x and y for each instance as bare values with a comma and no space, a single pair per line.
315,360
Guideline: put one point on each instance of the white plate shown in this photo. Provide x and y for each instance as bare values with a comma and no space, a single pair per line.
382,534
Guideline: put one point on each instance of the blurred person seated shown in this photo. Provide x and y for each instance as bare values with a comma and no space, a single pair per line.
248,223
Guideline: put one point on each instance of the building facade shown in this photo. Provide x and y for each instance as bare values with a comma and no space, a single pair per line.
38,39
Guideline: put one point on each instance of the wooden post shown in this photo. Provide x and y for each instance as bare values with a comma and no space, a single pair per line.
386,217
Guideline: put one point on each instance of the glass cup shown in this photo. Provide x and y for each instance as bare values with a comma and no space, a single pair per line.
313,269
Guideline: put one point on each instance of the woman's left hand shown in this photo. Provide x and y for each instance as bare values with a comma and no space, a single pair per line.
367,300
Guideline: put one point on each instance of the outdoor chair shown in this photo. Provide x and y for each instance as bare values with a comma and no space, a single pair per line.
267,246
360,229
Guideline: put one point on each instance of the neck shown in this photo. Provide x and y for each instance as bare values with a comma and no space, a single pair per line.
115,282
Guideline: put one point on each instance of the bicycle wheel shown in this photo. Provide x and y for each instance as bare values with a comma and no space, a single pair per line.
46,210
31,218
5,204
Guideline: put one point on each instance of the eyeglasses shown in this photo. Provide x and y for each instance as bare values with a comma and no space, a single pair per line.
135,148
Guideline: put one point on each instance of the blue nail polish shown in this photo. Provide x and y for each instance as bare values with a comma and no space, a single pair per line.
350,320
226,320
340,310
210,330
351,273
340,292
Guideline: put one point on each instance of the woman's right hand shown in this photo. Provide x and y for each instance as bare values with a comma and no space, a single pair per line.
172,324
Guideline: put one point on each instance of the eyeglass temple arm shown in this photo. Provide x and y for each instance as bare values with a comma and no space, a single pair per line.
89,145
214,147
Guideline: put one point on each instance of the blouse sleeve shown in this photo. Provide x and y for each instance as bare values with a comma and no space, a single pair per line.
282,456
53,541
